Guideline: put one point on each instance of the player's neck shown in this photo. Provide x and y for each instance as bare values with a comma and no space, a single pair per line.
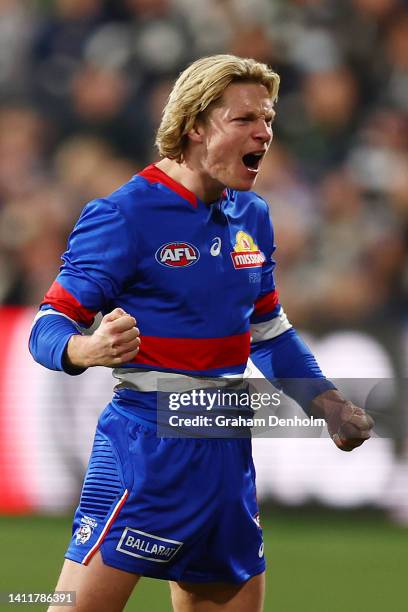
205,188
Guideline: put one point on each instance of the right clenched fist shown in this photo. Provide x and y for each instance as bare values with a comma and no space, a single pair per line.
114,342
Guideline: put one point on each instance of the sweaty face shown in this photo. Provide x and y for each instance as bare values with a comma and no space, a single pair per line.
236,135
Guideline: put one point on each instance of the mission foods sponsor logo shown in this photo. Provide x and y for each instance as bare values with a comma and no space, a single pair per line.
147,546
246,253
177,254
247,260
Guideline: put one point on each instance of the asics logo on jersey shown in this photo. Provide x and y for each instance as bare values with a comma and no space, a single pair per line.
177,254
216,246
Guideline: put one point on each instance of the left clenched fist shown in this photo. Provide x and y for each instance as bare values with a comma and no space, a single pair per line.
348,425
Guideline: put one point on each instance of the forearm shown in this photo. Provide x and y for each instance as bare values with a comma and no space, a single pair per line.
288,361
77,352
326,404
57,343
48,342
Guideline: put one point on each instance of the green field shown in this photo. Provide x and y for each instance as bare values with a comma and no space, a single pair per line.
317,562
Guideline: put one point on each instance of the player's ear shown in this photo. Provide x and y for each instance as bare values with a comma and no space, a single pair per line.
196,134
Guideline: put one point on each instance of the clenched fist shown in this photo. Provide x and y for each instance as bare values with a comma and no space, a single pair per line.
349,426
114,342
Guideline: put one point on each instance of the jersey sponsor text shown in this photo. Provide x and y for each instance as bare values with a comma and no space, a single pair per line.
251,259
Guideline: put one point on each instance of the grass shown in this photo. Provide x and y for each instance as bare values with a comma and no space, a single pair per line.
318,561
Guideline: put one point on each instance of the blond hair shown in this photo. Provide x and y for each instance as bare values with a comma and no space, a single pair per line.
201,84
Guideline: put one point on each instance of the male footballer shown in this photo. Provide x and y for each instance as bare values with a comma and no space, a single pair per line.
179,263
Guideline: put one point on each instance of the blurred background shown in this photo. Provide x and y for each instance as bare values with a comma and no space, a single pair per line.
82,87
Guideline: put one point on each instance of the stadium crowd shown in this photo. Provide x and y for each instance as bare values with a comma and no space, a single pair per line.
82,84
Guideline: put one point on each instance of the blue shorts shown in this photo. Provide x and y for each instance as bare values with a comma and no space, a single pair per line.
177,509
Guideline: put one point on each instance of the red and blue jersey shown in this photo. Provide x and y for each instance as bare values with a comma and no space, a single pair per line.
198,278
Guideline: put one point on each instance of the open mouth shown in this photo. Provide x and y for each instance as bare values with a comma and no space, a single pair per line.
252,160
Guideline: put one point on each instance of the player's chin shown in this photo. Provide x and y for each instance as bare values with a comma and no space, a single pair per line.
243,184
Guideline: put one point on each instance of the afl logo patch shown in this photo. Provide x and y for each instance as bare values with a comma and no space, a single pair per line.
177,254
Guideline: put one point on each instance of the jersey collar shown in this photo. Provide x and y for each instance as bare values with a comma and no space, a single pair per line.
153,174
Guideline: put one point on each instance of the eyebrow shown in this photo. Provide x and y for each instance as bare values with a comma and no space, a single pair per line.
251,115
